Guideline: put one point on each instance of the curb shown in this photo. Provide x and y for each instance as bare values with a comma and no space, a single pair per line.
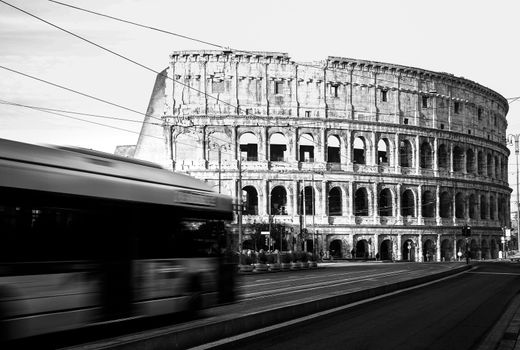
208,331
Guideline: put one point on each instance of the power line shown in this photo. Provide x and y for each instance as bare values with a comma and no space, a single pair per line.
217,45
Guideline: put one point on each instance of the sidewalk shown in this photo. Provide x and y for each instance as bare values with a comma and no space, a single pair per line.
505,335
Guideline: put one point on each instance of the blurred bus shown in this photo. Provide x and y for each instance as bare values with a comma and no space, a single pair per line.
88,237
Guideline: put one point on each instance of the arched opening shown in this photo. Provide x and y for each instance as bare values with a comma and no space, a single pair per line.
248,244
279,201
306,148
408,250
382,152
386,250
497,168
480,163
470,161
249,147
362,249
493,246
459,206
489,163
445,205
483,207
361,202
336,249
219,142
458,159
309,244
428,250
426,155
443,157
277,147
407,203
333,149
446,250
385,203
461,249
359,150
474,250
492,207
405,154
428,204
335,208
485,251
250,200
307,202
472,204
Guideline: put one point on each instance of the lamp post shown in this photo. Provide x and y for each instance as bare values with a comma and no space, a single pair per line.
512,139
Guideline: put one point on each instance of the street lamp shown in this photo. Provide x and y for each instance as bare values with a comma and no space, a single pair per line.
512,139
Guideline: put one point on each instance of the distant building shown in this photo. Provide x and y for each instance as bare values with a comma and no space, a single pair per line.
371,159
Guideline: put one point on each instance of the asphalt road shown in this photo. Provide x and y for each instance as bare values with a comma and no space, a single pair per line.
452,314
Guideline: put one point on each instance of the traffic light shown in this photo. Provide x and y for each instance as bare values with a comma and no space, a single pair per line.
466,230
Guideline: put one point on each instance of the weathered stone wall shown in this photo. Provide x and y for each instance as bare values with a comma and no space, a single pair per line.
421,135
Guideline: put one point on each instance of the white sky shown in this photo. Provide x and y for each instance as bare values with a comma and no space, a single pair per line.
475,39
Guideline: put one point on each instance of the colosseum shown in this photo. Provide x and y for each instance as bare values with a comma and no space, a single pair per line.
346,157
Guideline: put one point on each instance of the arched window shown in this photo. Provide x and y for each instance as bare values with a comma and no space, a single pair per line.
359,150
460,206
470,161
382,152
428,204
483,207
385,203
407,203
458,158
361,202
309,201
497,168
279,201
480,163
489,165
492,207
405,154
472,205
333,149
250,200
248,147
335,207
426,155
277,147
443,157
306,148
445,205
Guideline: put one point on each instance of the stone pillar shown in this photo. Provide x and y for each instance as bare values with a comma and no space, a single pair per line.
438,250
419,206
438,218
345,194
396,153
265,144
352,245
324,197
375,243
419,249
351,199
435,155
264,209
417,155
451,158
349,148
374,148
295,197
399,253
323,152
375,206
398,202
294,156
454,207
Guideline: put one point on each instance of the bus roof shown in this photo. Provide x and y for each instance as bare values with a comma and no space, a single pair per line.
92,173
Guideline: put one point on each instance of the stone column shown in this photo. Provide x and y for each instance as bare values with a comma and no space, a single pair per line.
266,200
375,206
420,220
398,202
295,197
438,250
419,248
438,218
396,153
294,156
451,158
349,148
351,199
417,155
435,155
454,207
265,144
399,254
374,148
324,197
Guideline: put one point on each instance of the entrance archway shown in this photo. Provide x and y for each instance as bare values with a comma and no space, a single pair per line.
428,250
408,250
385,250
446,250
335,248
362,249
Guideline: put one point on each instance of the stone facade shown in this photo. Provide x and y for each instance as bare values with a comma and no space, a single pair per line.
371,158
